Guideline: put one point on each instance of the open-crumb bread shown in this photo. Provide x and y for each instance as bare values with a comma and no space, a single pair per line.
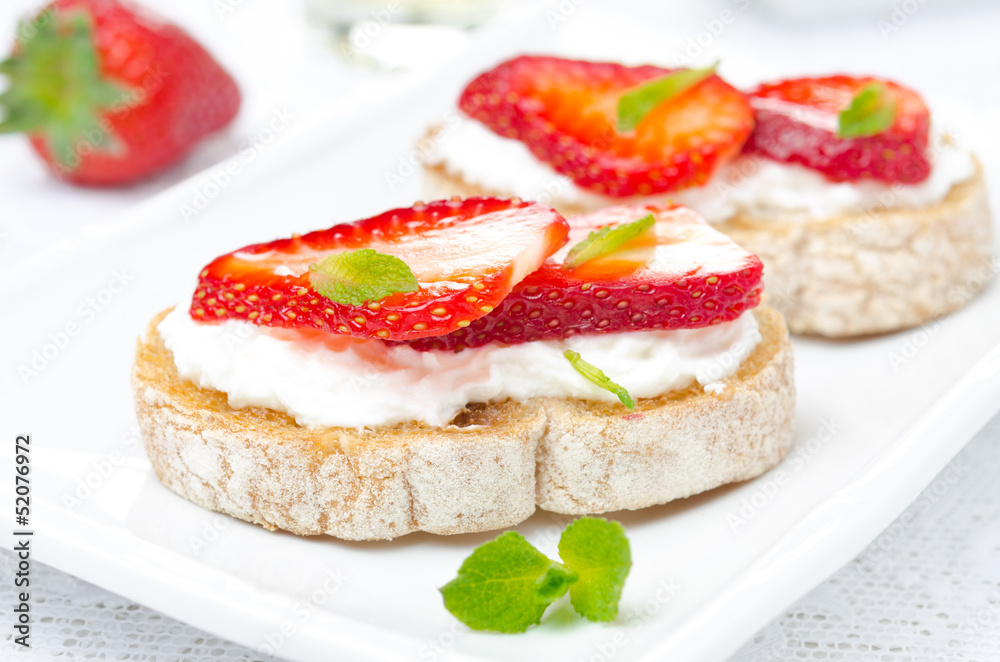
854,274
487,470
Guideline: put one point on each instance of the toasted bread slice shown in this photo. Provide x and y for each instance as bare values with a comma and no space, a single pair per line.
876,271
855,274
486,470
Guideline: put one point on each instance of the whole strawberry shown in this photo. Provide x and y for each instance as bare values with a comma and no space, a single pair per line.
110,94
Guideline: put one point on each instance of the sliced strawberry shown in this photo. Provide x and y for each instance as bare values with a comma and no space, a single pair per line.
466,256
797,122
565,111
682,274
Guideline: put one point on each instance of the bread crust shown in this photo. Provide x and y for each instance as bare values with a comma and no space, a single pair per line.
592,459
855,274
485,471
882,270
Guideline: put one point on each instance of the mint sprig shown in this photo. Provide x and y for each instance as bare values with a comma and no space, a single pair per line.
606,240
597,377
356,277
873,110
635,104
598,551
506,584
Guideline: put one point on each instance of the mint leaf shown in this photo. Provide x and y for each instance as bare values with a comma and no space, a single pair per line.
606,240
597,376
635,104
872,111
356,277
598,551
505,585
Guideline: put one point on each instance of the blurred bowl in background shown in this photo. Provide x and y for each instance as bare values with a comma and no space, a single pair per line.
401,34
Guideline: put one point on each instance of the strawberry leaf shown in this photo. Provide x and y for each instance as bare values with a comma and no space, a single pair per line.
356,277
505,585
606,240
872,111
635,104
57,89
598,552
597,376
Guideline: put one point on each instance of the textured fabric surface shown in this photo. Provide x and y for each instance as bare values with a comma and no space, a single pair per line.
926,590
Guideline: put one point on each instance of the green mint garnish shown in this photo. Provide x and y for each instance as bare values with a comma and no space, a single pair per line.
597,376
598,552
357,277
606,240
872,111
635,104
505,585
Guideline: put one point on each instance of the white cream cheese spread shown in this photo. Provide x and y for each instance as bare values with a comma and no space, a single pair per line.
325,380
749,185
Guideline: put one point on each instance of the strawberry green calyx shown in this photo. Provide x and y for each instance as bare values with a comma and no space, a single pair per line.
57,90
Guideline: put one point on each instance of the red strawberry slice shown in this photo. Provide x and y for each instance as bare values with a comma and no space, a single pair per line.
466,256
797,122
109,93
565,111
682,274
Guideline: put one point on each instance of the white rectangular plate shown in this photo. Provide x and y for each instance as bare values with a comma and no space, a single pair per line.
877,419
